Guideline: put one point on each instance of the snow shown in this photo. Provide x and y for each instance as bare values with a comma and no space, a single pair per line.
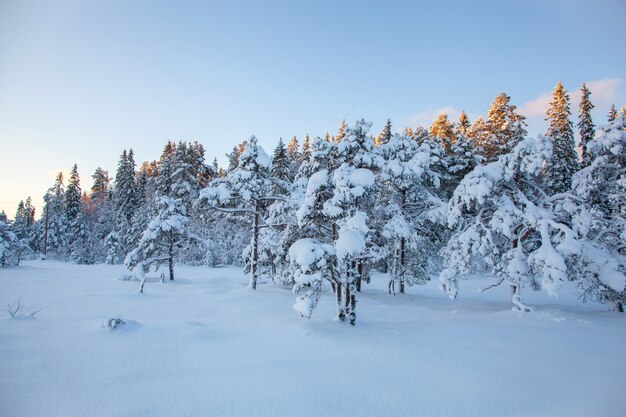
309,252
203,345
349,243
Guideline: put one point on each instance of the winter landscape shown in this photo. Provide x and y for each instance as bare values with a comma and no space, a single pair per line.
449,263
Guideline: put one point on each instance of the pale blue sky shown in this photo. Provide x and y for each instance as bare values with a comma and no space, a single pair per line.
82,80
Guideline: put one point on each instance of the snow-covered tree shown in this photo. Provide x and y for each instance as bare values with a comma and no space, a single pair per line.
55,220
462,125
406,181
502,221
564,162
245,191
165,235
281,164
612,114
506,127
385,135
340,197
442,129
586,128
8,239
602,221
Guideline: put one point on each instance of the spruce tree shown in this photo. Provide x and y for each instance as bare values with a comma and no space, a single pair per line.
586,128
385,135
341,133
463,125
281,164
612,114
306,148
564,162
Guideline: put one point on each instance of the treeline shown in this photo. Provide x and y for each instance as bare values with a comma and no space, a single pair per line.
457,198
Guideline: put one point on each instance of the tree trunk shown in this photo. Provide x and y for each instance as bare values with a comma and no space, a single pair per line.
402,269
255,247
171,261
341,314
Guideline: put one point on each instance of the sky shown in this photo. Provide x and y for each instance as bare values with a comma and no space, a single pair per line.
82,80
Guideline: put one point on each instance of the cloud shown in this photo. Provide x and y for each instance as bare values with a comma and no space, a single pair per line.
425,118
603,94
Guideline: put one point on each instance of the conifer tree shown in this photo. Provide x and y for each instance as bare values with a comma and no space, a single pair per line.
385,135
442,129
306,148
503,129
55,220
564,162
341,133
245,191
101,189
281,165
586,128
612,114
463,125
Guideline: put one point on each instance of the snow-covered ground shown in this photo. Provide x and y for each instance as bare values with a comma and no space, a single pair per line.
206,346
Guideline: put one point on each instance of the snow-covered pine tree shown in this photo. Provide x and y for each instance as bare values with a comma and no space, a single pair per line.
281,164
55,220
612,114
564,162
385,135
602,220
295,157
443,130
586,128
419,134
125,200
78,236
462,125
352,182
8,240
245,191
506,128
405,182
166,233
23,227
306,148
501,218
341,132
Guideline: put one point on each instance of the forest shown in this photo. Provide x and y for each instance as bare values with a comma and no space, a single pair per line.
446,202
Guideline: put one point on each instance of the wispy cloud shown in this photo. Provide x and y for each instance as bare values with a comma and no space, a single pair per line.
425,118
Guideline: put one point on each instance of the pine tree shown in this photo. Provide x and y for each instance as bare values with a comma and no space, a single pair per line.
586,128
55,219
73,195
165,234
281,164
463,125
504,129
341,132
564,162
385,135
78,239
306,148
442,129
406,184
601,220
245,191
612,114
101,189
